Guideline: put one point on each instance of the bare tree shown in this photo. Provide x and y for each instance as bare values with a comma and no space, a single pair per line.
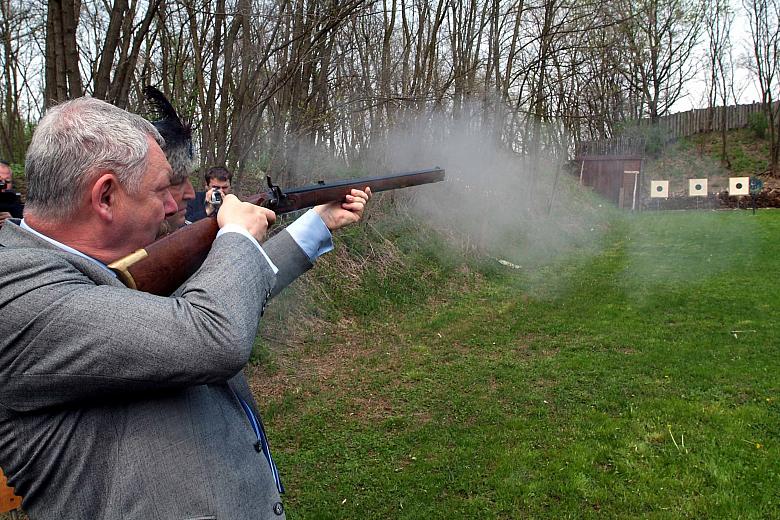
11,122
658,44
717,26
21,85
272,84
63,78
764,17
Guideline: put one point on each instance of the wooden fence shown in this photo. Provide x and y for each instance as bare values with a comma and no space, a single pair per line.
674,126
683,124
620,145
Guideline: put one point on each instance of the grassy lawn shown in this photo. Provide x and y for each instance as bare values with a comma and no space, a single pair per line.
640,379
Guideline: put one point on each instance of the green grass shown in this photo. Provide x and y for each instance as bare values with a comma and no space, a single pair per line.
610,384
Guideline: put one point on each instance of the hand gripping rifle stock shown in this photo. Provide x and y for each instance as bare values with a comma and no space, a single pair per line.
161,267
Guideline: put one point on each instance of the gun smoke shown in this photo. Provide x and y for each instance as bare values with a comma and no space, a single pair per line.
523,210
526,213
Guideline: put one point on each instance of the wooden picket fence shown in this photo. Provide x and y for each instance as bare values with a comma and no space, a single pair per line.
674,126
683,124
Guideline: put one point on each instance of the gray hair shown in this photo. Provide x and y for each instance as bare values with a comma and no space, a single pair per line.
180,160
73,143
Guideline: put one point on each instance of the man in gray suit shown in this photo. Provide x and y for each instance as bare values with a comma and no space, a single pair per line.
117,404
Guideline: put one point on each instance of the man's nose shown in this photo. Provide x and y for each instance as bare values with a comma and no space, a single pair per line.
189,191
169,205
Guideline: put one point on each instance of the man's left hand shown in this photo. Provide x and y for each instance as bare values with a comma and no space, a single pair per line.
336,215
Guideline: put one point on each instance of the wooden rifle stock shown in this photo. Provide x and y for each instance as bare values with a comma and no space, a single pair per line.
161,267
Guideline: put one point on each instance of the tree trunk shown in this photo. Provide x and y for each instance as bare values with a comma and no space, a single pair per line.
110,45
63,79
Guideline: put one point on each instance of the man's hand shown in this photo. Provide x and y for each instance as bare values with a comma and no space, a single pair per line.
3,216
336,215
252,218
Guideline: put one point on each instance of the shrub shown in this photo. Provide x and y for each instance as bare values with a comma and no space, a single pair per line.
758,124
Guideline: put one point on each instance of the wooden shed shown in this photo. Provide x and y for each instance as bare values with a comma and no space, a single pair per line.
616,177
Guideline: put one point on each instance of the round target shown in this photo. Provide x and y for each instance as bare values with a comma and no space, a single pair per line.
697,187
739,185
659,189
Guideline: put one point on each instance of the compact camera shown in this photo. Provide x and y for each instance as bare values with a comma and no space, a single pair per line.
216,197
10,201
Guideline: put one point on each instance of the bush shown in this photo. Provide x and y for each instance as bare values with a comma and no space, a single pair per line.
655,141
758,124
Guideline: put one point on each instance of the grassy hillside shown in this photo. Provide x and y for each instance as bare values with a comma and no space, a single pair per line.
701,156
636,380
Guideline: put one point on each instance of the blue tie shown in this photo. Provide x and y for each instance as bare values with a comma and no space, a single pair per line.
262,442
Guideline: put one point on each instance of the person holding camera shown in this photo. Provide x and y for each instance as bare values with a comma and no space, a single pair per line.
218,184
10,202
6,176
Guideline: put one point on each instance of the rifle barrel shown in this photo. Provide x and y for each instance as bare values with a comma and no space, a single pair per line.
161,267
381,183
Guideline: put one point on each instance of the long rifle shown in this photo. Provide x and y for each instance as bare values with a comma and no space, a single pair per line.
161,267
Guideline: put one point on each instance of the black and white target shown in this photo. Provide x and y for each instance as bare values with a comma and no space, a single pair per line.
697,187
739,185
659,189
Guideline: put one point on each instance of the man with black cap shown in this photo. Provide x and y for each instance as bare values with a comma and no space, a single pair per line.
178,151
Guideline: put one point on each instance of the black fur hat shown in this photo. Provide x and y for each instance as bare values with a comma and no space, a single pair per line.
177,135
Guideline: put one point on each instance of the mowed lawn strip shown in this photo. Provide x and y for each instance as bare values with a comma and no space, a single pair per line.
637,380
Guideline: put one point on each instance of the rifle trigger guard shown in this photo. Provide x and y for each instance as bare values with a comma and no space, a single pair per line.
275,192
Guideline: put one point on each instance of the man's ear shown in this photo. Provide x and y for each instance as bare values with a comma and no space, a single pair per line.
103,196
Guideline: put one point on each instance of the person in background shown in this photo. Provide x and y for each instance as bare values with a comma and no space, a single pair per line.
119,404
178,152
217,179
7,186
6,176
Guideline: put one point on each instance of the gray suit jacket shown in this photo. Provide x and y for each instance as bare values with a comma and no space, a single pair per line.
116,404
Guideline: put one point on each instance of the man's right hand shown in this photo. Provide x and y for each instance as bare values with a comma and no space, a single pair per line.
4,215
249,216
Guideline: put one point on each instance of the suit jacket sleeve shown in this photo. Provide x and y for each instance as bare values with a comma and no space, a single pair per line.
63,338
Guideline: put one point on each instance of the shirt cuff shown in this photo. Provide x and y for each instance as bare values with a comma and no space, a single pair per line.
311,234
235,228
